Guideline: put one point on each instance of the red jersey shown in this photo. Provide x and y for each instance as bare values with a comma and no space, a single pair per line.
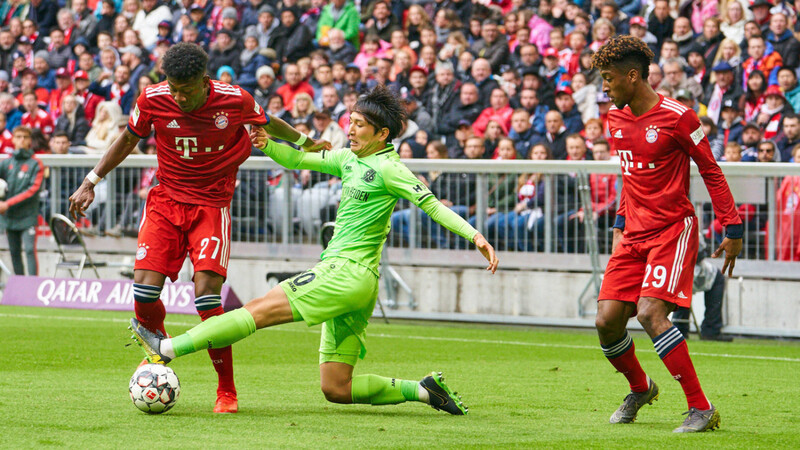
198,152
654,151
6,143
40,120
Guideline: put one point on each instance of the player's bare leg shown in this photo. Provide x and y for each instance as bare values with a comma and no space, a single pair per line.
339,386
611,322
671,347
207,288
147,306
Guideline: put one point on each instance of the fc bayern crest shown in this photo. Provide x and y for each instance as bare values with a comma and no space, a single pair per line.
141,253
651,134
221,120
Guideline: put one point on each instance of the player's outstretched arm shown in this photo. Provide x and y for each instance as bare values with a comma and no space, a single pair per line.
119,150
292,159
732,248
280,129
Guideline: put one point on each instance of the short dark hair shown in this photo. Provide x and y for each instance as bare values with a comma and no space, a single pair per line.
625,52
185,61
382,109
60,133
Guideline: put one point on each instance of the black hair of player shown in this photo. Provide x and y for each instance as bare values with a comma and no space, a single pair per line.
624,53
382,109
185,61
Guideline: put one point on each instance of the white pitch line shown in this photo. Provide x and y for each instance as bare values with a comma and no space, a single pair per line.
422,338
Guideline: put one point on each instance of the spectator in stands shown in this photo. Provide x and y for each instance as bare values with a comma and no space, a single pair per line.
661,22
340,49
602,31
36,117
733,152
105,128
331,103
638,28
723,90
416,111
730,52
499,108
556,134
788,217
303,108
708,42
59,145
761,60
656,75
789,138
58,52
585,97
340,14
119,90
266,28
565,104
295,84
328,130
296,37
782,39
787,80
553,74
733,20
19,209
482,77
715,139
669,50
6,137
618,14
755,95
675,79
276,108
72,120
467,108
382,22
592,131
66,22
44,13
46,76
491,137
147,19
771,114
529,101
443,94
683,35
501,187
522,133
7,49
767,152
751,136
223,52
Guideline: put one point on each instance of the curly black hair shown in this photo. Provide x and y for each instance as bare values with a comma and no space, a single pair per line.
184,61
624,52
382,109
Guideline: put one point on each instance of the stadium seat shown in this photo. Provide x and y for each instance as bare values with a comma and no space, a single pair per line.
72,249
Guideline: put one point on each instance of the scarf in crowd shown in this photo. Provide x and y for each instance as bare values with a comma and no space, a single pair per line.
439,95
751,110
715,103
749,66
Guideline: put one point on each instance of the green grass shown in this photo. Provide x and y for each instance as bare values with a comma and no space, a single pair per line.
64,377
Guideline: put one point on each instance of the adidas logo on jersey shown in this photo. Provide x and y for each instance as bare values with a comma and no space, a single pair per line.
618,134
173,124
680,295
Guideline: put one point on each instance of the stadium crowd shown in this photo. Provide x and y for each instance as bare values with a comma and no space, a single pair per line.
481,79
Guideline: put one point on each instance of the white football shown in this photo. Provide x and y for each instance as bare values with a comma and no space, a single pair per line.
154,388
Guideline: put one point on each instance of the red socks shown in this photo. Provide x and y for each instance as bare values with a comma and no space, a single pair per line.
672,348
149,310
622,355
222,358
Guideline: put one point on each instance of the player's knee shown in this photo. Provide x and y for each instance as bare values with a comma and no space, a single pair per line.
336,393
603,324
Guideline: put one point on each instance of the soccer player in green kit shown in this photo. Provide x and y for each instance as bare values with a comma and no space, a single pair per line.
341,290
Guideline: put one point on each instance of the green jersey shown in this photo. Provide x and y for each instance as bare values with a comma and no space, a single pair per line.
371,187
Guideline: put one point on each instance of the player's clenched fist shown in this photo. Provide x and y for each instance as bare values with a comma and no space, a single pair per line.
258,137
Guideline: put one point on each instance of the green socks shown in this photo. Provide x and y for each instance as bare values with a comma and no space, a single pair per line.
376,390
216,332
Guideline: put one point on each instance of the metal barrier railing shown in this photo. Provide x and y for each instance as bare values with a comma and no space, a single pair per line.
276,206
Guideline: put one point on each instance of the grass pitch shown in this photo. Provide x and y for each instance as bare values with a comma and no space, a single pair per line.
65,375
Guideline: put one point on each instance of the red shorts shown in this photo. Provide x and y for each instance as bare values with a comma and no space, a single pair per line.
662,267
169,230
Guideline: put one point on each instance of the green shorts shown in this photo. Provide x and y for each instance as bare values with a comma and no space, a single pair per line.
340,294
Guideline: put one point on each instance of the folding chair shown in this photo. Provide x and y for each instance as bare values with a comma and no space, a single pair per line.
70,242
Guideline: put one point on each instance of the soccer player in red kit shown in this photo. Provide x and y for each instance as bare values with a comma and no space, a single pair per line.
655,236
201,140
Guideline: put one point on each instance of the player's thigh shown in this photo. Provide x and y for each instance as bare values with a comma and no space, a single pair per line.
271,309
333,288
161,242
208,239
670,264
622,280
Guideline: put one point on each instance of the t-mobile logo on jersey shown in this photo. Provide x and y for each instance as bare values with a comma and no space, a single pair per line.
187,146
626,161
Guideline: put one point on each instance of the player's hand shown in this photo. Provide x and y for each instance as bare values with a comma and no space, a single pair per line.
487,251
316,145
81,199
732,248
258,137
3,207
616,239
